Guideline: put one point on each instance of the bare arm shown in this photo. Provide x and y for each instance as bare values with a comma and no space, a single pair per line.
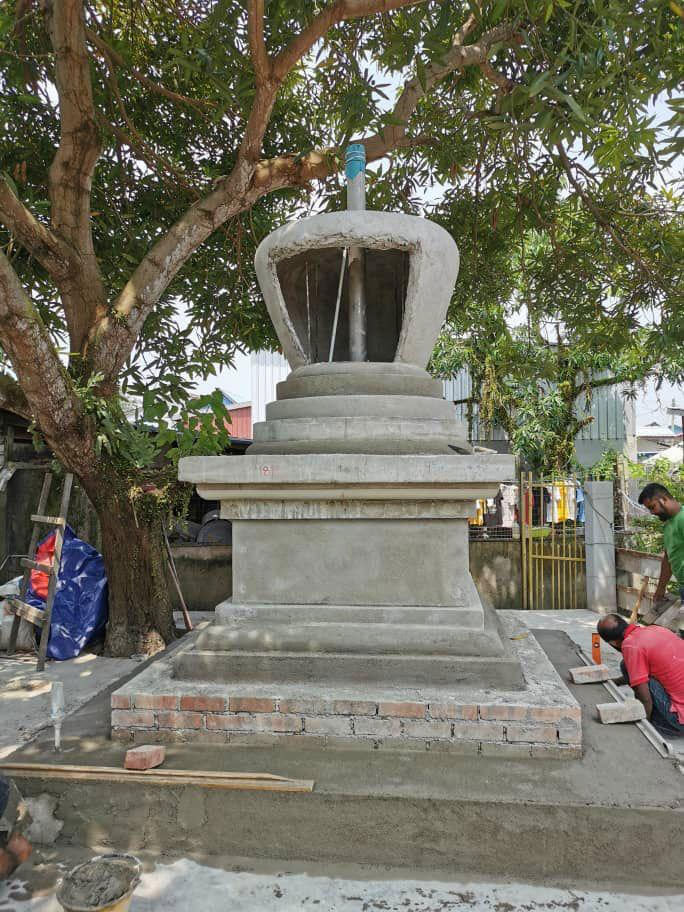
643,694
665,574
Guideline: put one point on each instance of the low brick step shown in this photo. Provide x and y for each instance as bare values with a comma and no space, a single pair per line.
410,670
238,613
351,638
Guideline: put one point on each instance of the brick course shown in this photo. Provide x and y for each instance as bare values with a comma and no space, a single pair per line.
506,728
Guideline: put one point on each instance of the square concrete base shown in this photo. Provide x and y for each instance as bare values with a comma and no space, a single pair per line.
541,720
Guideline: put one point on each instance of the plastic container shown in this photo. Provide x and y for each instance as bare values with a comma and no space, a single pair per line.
85,878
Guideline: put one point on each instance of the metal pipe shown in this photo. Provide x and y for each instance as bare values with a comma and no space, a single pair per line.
355,169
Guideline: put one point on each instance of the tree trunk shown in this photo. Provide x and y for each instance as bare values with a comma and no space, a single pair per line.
140,612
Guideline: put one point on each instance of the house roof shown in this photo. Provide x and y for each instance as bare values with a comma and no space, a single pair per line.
673,454
657,430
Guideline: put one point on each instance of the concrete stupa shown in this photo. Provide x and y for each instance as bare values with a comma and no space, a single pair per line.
354,619
350,510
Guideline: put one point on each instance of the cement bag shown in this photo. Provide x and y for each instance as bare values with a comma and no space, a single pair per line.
80,609
26,640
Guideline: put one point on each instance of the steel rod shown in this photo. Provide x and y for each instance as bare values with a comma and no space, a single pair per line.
333,337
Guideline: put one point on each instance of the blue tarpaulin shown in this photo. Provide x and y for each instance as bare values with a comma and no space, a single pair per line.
80,608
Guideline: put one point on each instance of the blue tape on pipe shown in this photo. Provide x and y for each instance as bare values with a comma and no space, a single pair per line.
355,160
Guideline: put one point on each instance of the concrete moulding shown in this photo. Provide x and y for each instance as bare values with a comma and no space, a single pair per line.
371,383
433,269
229,613
347,469
353,406
322,507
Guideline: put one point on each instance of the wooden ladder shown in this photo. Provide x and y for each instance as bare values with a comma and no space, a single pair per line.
18,606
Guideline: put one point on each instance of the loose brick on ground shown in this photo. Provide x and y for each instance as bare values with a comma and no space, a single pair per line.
590,674
629,711
145,757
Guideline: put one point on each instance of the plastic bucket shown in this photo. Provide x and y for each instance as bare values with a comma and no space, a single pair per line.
94,885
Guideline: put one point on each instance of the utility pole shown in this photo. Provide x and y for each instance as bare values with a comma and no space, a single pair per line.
678,412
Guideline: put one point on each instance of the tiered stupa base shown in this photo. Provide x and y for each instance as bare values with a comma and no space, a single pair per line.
354,618
540,720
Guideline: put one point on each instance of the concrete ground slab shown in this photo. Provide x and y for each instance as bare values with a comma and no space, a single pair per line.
176,885
25,693
515,817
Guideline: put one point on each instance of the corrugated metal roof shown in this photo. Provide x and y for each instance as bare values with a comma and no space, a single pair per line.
613,411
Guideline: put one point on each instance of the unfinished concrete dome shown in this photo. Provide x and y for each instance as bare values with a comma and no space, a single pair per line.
335,401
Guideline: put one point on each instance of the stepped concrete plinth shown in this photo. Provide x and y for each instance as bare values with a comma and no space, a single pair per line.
354,614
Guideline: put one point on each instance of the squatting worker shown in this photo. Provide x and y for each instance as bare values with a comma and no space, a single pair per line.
14,848
653,665
658,501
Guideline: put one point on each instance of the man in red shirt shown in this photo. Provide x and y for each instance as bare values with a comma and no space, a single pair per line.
653,666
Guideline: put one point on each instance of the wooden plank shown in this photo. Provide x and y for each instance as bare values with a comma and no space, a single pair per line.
29,564
245,782
48,520
155,771
29,612
638,562
54,576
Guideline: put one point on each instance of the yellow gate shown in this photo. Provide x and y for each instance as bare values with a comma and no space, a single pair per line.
552,538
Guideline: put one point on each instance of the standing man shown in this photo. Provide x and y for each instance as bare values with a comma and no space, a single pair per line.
659,502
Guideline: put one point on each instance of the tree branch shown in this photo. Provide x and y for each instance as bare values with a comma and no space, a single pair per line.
599,216
257,45
50,251
72,169
340,11
502,82
43,378
133,138
156,87
12,397
300,170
